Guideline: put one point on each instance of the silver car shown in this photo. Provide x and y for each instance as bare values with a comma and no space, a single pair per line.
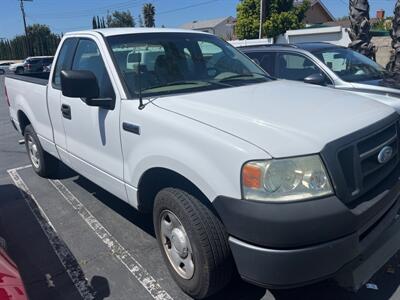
4,66
329,65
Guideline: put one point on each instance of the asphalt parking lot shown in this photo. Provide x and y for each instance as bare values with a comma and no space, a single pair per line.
73,240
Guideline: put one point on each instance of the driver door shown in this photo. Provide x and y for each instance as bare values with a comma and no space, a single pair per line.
92,133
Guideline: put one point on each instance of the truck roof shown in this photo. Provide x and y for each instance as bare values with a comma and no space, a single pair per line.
133,30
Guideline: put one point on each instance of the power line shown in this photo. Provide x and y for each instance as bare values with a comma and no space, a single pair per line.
186,7
85,12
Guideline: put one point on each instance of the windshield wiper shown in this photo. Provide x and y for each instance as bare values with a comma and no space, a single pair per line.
238,76
172,84
216,82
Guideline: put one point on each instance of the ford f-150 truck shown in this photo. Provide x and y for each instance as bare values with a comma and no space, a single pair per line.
286,183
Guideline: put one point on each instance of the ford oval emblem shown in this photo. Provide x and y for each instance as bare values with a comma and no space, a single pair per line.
385,154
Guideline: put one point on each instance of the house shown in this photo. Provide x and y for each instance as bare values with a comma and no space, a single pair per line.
222,27
317,13
345,22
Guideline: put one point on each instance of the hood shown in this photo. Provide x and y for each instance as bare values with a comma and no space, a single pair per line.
281,117
385,98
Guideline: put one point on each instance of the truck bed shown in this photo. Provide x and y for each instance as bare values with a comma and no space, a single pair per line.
41,78
28,101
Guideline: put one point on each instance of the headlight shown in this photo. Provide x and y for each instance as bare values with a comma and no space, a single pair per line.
286,179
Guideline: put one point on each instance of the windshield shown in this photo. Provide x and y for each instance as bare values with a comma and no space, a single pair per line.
350,65
171,63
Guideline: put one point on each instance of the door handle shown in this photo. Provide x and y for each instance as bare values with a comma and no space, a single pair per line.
66,111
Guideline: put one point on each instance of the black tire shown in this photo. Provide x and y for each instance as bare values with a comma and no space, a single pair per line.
48,164
19,70
212,258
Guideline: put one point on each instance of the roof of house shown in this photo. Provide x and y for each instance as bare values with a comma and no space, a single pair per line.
202,24
315,2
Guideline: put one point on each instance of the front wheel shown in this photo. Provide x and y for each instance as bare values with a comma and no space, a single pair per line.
193,242
42,162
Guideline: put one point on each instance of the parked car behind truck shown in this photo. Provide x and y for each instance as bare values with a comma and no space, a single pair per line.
4,66
236,168
327,65
37,64
17,68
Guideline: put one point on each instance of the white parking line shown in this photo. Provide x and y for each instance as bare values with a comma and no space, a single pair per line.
20,168
127,259
60,248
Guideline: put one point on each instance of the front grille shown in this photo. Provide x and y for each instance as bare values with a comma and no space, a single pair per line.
358,170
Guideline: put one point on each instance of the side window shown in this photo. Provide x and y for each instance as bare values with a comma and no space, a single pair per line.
88,57
265,60
63,60
293,66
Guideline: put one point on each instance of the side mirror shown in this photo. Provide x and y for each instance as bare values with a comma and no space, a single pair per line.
317,79
83,84
79,84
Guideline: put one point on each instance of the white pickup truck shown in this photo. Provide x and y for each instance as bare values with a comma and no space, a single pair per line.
286,183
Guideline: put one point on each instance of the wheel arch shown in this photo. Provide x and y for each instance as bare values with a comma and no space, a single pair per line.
155,179
23,121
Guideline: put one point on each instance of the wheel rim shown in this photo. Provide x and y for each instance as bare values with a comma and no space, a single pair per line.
33,152
176,244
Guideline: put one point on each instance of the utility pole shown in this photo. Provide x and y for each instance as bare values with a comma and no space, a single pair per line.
28,44
262,17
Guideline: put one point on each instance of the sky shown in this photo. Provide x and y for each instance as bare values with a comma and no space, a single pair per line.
69,15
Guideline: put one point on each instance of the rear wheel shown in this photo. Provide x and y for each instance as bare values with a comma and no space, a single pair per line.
19,70
42,162
193,242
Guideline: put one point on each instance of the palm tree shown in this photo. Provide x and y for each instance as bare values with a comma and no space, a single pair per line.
149,12
360,34
394,63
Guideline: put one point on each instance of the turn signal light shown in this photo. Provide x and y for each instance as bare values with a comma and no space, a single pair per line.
251,176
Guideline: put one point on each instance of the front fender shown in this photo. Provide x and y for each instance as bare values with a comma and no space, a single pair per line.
211,159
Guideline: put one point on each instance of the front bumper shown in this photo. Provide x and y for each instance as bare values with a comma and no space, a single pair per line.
295,244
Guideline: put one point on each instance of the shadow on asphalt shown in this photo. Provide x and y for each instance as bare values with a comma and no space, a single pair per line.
31,250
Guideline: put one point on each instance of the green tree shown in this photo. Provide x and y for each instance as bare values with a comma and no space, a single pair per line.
280,15
120,19
98,22
42,40
94,23
149,12
248,19
284,16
